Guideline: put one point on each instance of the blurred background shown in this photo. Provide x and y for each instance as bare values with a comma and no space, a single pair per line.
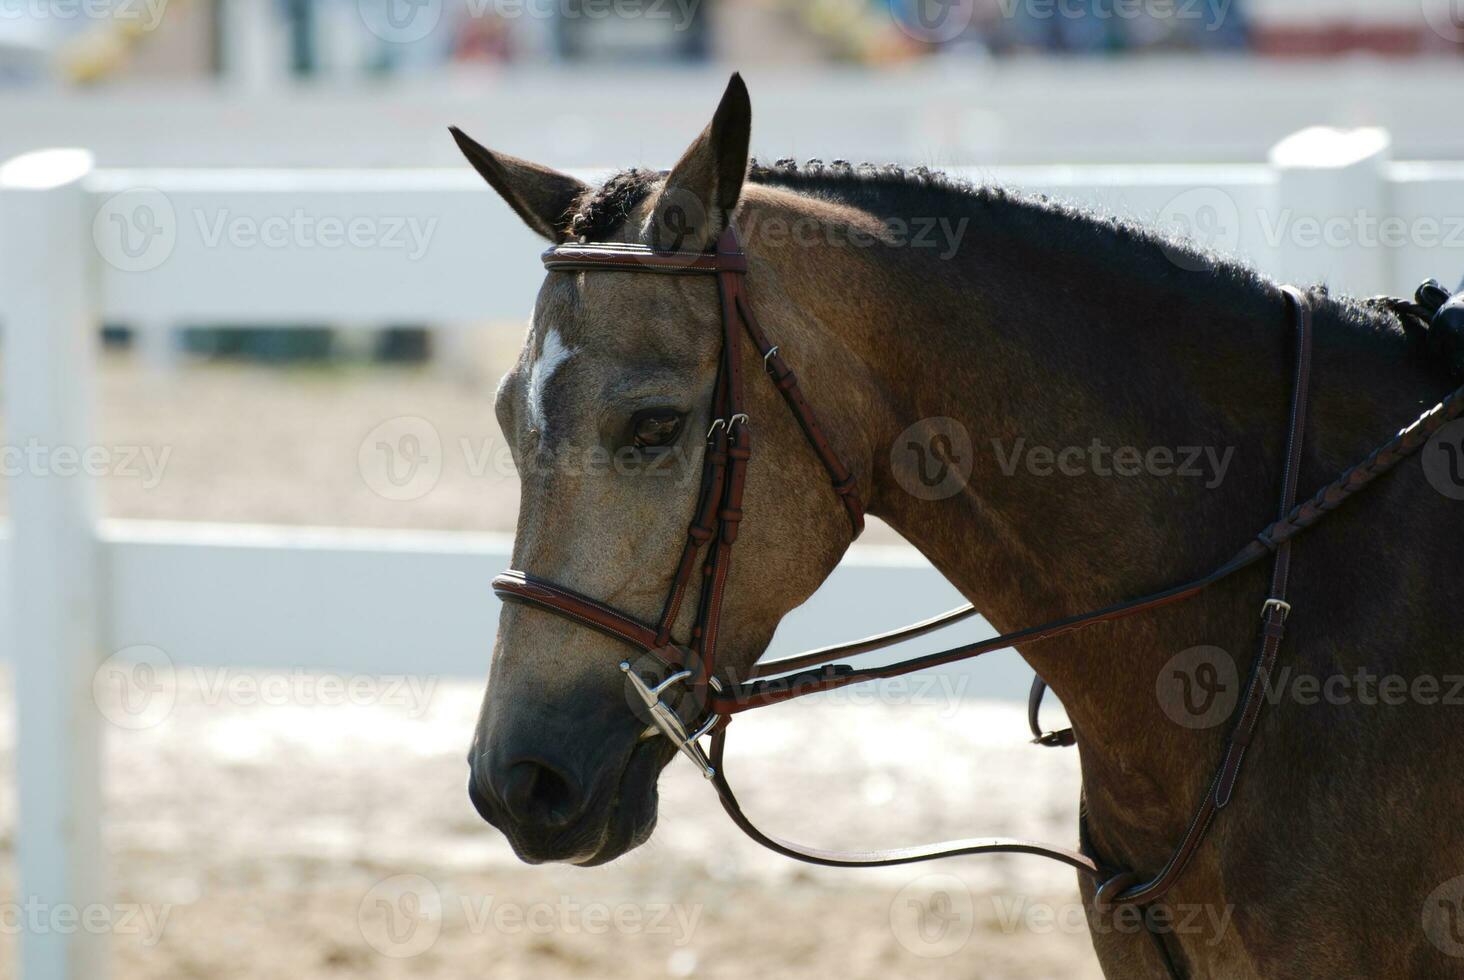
256,491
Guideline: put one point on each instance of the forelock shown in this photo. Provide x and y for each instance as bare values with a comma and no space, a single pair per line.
601,210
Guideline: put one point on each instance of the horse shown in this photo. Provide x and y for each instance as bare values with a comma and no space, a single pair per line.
1052,369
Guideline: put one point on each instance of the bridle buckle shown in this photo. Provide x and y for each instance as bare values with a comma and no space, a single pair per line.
667,722
1280,604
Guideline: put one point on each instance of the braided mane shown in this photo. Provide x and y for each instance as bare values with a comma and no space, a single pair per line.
893,190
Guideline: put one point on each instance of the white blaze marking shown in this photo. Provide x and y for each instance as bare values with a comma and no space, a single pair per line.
552,354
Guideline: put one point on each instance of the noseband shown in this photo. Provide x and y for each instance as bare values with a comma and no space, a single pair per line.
713,532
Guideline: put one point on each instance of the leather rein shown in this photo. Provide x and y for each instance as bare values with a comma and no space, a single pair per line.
713,532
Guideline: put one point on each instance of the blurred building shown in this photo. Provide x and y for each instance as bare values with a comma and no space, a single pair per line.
259,43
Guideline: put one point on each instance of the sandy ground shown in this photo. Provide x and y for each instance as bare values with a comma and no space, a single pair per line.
285,836
297,838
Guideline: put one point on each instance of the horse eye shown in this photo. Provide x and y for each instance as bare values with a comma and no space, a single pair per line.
655,427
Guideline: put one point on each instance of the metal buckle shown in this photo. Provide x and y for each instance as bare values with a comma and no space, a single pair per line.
668,722
740,416
769,356
1059,738
716,424
1280,604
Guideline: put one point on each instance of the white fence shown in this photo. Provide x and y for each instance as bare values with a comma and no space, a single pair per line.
156,249
940,112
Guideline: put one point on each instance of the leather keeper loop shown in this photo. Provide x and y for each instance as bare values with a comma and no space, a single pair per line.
1108,892
731,518
731,262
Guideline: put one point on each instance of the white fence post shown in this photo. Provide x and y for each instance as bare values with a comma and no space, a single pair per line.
50,339
158,348
1332,199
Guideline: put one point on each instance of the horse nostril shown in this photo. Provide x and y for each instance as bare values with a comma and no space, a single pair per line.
535,793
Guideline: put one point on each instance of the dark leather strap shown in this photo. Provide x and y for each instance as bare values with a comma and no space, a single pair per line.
1127,887
823,655
523,587
787,384
640,258
757,693
880,858
1057,738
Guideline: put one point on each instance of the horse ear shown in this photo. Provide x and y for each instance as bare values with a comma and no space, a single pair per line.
544,198
702,189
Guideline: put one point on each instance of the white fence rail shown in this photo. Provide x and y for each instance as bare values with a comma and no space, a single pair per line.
157,249
372,247
941,112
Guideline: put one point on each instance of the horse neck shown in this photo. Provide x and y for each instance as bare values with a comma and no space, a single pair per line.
1050,373
1125,420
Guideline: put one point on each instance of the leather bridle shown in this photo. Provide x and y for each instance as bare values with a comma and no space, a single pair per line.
713,532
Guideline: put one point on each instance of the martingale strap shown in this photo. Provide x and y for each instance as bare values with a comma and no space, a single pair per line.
713,532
